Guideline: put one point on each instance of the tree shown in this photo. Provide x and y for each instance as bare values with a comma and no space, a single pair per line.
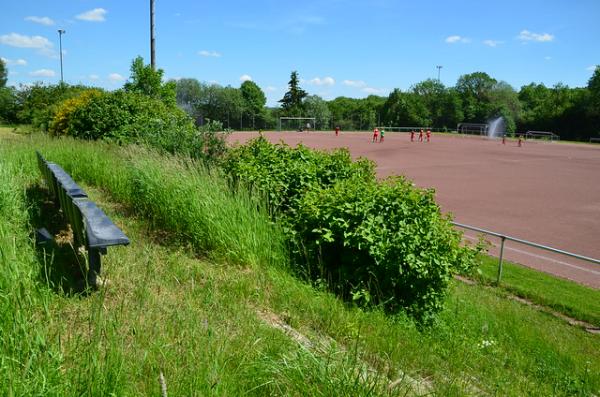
594,90
187,94
291,102
254,100
474,90
316,107
3,74
147,81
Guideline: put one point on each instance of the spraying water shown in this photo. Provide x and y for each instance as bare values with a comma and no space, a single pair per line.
497,128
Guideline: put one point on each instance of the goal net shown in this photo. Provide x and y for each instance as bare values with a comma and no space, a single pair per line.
472,128
544,135
297,123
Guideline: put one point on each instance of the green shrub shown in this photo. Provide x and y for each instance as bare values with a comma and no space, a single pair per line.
38,103
131,117
383,242
285,174
376,242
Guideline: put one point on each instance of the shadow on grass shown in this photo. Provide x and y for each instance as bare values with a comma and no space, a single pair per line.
62,267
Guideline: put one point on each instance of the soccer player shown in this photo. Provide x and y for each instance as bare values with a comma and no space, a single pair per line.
428,135
375,134
421,135
337,130
520,140
382,135
412,136
504,139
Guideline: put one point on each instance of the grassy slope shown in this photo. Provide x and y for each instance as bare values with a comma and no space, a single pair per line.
211,328
564,296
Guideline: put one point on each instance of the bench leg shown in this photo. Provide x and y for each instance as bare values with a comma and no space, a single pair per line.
94,266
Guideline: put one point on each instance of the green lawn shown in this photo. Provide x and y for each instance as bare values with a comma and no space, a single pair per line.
567,297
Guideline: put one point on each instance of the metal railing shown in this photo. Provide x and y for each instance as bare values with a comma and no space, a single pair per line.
504,237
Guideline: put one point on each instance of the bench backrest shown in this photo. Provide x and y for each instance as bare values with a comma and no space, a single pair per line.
91,227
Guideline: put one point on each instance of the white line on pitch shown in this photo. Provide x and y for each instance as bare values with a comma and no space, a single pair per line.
541,257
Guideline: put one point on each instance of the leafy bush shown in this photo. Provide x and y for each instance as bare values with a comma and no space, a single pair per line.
285,174
385,242
380,242
130,117
60,123
38,103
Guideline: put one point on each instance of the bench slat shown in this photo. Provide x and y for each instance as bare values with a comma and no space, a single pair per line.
100,230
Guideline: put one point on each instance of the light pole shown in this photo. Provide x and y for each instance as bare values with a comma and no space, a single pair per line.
152,49
60,33
439,67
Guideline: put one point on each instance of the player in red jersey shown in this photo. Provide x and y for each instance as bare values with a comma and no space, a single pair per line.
421,135
375,134
428,135
337,130
412,136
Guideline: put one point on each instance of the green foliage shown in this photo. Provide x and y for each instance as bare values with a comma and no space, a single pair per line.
385,243
388,240
291,103
9,106
316,107
254,98
3,74
38,103
147,81
285,174
129,117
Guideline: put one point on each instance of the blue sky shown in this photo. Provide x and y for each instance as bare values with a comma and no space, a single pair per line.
339,47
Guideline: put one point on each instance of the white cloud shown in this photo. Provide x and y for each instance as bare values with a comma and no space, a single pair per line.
93,77
22,41
206,53
591,68
115,77
457,39
95,15
15,62
327,81
43,73
374,91
245,77
526,35
354,83
492,43
41,20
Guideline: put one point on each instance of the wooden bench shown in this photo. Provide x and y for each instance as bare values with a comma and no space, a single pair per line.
91,227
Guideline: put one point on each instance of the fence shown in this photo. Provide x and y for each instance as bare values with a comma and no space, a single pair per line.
504,237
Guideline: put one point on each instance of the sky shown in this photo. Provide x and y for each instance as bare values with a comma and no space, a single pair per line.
339,47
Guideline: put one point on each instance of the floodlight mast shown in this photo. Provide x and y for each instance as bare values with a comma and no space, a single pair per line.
60,33
152,52
439,68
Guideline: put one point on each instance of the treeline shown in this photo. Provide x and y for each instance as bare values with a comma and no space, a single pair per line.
573,113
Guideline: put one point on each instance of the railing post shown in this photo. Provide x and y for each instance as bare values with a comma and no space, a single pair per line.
502,240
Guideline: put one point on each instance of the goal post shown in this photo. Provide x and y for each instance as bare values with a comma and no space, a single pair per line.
297,123
472,128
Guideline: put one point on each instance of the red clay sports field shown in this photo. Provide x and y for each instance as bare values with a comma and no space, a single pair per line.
547,193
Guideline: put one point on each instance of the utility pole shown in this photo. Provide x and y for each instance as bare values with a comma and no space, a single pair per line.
152,53
439,67
60,33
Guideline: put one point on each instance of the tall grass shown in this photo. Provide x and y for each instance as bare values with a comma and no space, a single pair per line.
167,311
28,361
178,195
